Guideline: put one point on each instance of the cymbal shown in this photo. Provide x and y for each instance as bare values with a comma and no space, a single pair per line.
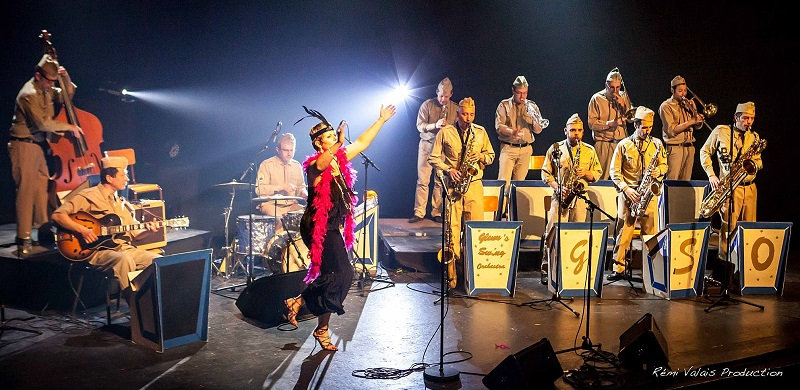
275,198
234,185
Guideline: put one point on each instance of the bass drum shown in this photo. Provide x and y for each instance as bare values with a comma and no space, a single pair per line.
280,249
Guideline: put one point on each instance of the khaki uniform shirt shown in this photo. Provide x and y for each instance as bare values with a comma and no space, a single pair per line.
92,201
273,173
602,110
448,145
34,113
429,113
719,143
588,160
629,164
672,115
515,116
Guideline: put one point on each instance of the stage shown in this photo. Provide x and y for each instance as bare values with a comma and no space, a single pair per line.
392,327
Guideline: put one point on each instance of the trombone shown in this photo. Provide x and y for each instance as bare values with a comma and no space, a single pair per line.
690,105
631,112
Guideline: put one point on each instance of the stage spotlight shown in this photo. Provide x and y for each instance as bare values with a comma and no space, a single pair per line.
124,91
398,95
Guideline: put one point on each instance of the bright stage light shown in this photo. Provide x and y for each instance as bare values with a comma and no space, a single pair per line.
124,91
398,95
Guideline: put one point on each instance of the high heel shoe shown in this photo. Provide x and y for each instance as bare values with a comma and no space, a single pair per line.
293,306
324,339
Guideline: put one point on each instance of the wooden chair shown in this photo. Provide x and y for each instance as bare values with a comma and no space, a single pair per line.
135,188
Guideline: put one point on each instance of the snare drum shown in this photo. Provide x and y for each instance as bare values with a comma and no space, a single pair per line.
263,229
279,248
292,220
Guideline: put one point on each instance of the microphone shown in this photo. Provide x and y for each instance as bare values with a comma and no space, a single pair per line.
556,151
277,130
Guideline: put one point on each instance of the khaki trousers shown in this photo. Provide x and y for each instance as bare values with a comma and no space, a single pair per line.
123,260
424,170
605,151
627,224
470,208
744,209
680,160
29,170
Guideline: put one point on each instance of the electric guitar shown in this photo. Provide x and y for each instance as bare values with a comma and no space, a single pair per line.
108,229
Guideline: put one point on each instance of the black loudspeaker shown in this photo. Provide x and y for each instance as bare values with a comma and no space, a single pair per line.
534,367
263,299
169,301
643,345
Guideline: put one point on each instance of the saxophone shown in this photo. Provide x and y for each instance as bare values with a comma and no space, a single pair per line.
467,167
741,168
647,188
573,183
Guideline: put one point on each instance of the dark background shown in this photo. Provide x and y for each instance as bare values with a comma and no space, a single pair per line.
222,74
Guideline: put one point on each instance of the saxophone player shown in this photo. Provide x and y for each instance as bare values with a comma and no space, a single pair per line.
719,143
569,165
633,157
447,156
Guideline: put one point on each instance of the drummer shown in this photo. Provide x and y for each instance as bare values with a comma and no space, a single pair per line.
281,175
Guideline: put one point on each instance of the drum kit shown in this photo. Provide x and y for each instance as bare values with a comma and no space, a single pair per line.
275,242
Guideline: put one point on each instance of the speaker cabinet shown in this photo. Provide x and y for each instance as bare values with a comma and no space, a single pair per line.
643,345
169,301
146,211
263,300
534,367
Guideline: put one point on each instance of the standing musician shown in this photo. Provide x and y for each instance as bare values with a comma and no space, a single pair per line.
449,151
607,110
330,208
434,114
678,126
281,174
515,129
575,162
100,201
632,158
31,124
746,194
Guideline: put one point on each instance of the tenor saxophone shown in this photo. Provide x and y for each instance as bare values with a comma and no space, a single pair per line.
647,188
467,167
741,168
573,183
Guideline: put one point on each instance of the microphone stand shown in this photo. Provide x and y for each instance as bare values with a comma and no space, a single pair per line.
556,297
363,274
442,373
725,297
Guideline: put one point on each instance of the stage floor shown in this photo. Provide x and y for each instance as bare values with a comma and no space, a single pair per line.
395,326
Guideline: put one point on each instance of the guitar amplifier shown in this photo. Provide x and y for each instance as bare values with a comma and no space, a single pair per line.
145,211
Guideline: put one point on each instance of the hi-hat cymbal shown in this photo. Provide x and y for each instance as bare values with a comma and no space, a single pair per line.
276,198
234,185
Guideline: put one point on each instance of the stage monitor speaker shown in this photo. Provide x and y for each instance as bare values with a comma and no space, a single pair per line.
643,345
263,299
169,301
534,367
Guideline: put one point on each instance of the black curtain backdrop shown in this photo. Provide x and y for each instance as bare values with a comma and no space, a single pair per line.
222,74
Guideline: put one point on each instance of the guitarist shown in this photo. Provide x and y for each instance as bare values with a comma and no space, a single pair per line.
99,201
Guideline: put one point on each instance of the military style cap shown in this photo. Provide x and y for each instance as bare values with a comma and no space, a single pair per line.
614,75
747,108
678,80
574,119
114,162
467,102
644,114
445,85
48,66
520,82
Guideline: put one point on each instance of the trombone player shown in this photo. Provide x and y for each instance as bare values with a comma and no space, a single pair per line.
745,194
679,119
608,110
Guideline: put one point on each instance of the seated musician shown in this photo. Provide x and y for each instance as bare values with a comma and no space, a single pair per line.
562,161
281,175
632,158
100,201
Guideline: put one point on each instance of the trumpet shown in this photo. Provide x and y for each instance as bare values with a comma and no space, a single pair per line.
690,105
533,111
629,114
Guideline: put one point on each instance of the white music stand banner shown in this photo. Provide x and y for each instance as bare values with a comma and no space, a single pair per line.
490,258
674,260
604,195
568,276
679,201
760,250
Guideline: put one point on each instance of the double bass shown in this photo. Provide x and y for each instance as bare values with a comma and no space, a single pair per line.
73,158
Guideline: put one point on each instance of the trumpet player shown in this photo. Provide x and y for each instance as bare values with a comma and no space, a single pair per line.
635,156
607,109
679,119
455,144
569,166
719,144
516,121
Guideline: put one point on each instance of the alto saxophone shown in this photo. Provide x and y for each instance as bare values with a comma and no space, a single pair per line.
741,168
647,188
573,183
467,167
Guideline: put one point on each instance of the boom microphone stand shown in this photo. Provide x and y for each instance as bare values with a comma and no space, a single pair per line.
725,297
